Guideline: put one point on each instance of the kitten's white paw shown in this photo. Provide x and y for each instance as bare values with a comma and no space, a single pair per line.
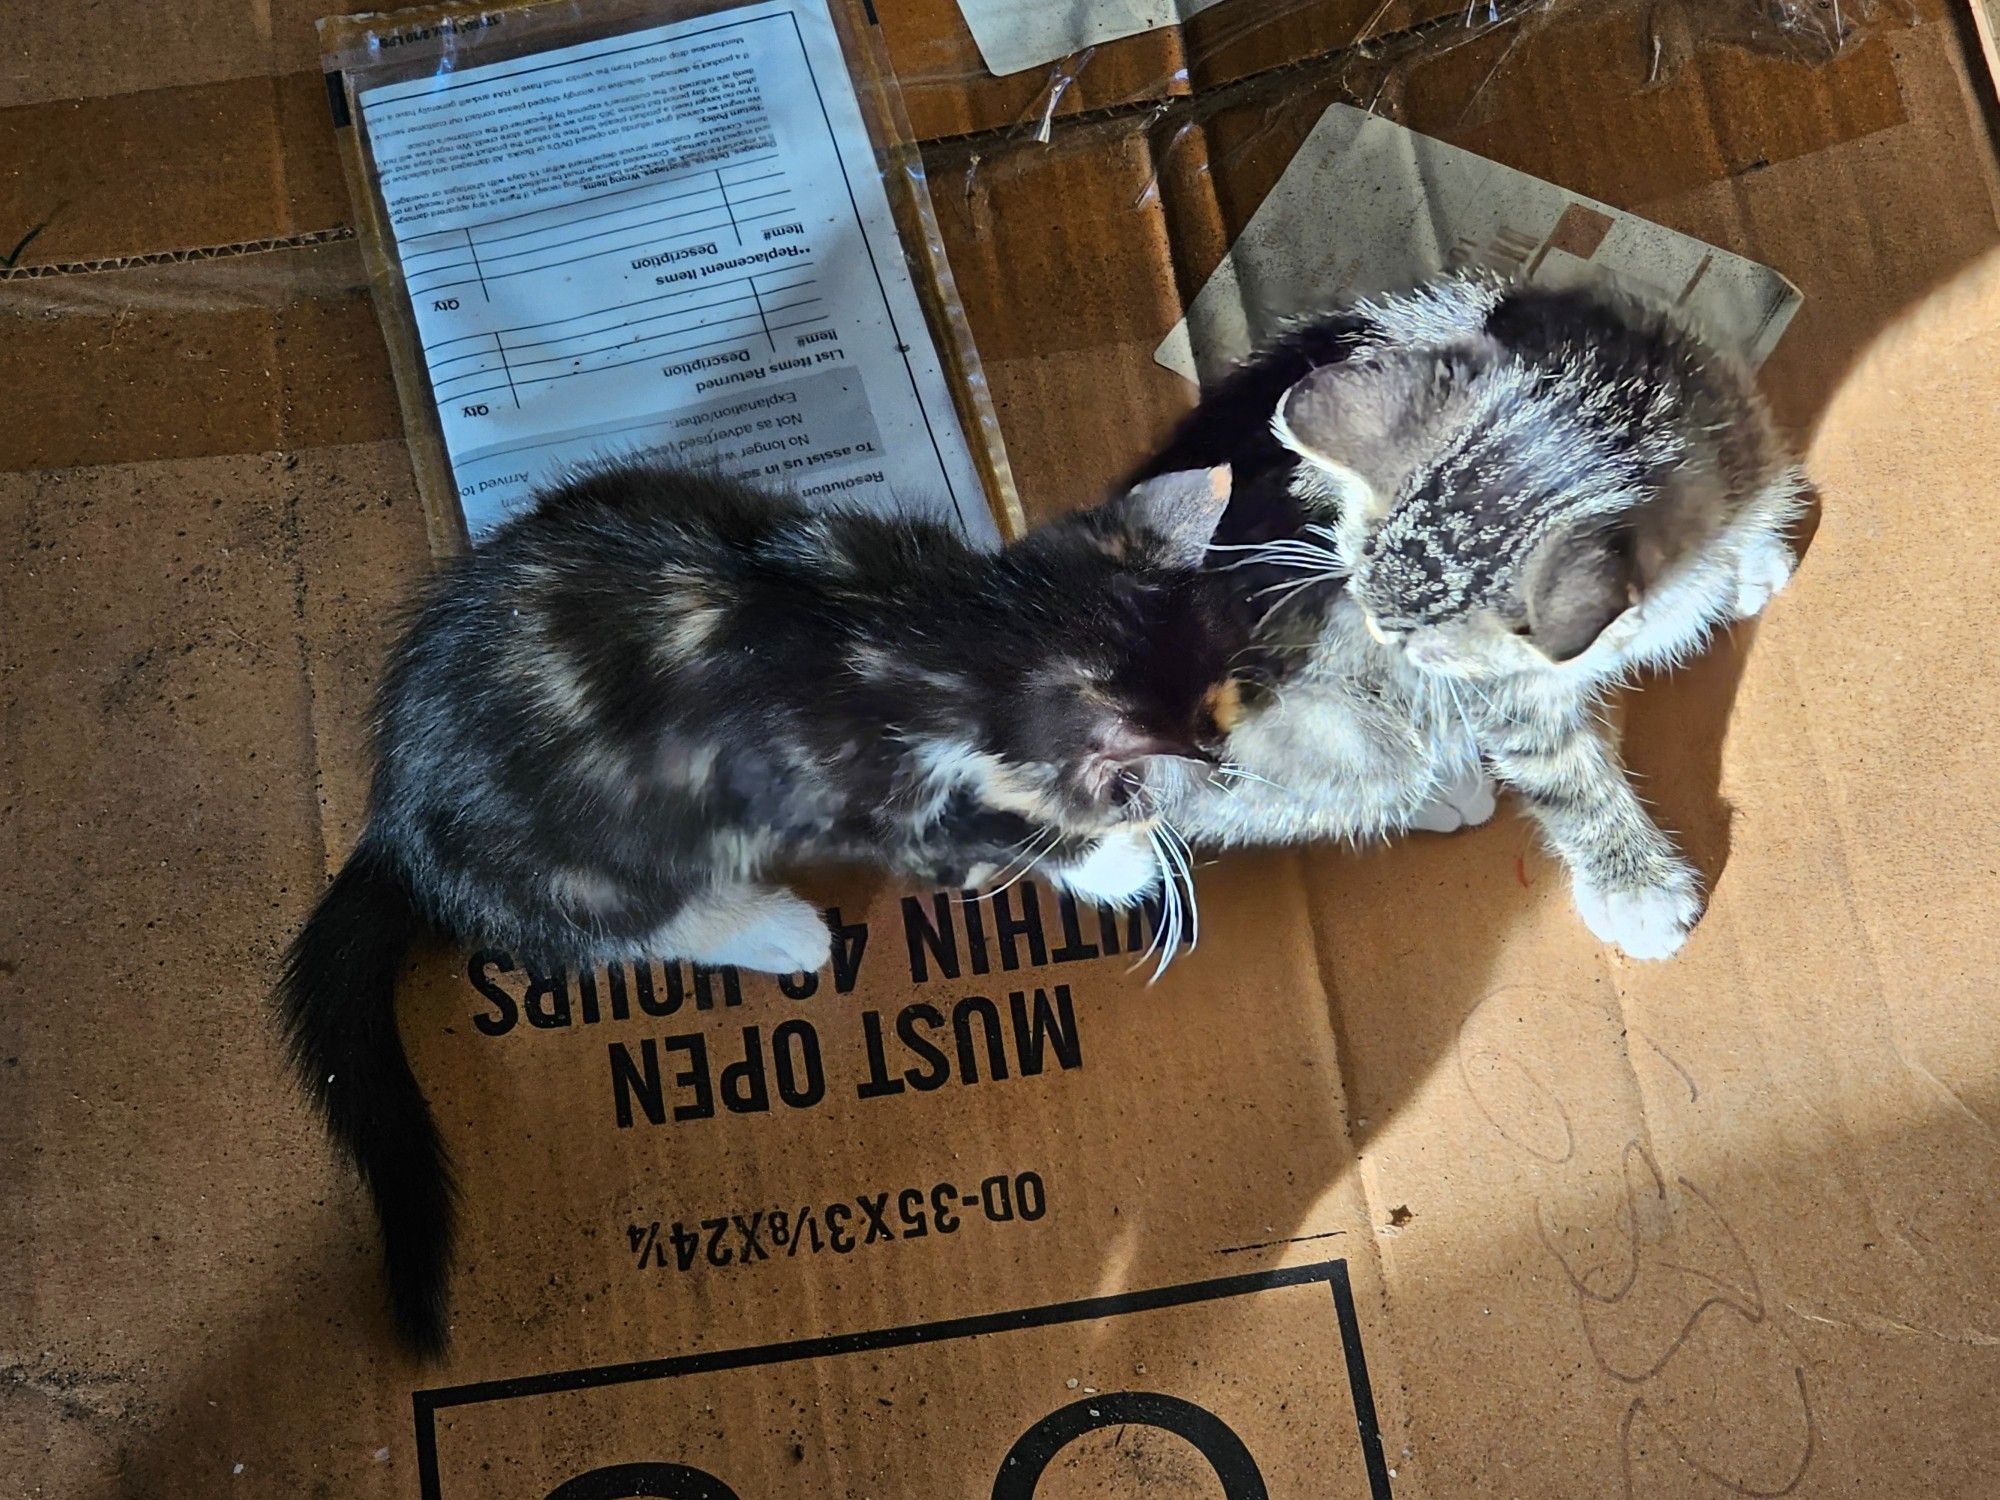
1120,870
1765,567
1465,802
1645,921
784,935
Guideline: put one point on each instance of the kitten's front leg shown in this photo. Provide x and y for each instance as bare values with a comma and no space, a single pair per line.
1764,557
1764,566
745,926
1118,871
1632,887
1465,801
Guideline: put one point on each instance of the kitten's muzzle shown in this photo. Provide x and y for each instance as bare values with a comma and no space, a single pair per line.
1136,795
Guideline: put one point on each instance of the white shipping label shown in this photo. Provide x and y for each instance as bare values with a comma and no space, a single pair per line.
1014,35
1367,206
670,243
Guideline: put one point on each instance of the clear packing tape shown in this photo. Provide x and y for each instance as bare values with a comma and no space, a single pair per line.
636,229
1288,166
1218,108
609,188
1035,60
1671,33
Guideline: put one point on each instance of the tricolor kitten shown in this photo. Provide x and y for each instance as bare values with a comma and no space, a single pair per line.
1496,503
607,728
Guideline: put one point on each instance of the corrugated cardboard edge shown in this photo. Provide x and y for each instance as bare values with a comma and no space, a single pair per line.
1985,23
305,241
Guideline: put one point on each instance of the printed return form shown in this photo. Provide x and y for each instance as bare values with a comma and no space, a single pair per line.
673,243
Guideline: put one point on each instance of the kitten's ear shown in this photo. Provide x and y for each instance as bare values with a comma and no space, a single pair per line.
1175,514
1578,585
1358,423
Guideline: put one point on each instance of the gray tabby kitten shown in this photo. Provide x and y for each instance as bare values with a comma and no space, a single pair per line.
1498,503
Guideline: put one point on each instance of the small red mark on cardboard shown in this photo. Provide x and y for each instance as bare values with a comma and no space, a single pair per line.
1521,871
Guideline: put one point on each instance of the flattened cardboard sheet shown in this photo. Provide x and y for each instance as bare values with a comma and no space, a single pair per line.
1414,208
1718,1226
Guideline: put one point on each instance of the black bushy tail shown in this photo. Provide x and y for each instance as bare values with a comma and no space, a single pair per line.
337,1004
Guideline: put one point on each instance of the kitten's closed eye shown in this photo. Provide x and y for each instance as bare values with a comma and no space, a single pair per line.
1129,746
1578,587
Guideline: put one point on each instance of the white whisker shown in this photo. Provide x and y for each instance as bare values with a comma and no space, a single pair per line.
1022,848
1176,912
1183,858
1291,586
1481,694
1464,717
1290,593
1290,544
1288,552
1239,773
1041,846
1160,926
1304,562
1170,889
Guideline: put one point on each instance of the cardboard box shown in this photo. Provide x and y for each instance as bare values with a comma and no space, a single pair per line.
1398,1184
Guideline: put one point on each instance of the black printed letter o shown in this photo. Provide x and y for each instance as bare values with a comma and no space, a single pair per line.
1021,1470
643,1482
